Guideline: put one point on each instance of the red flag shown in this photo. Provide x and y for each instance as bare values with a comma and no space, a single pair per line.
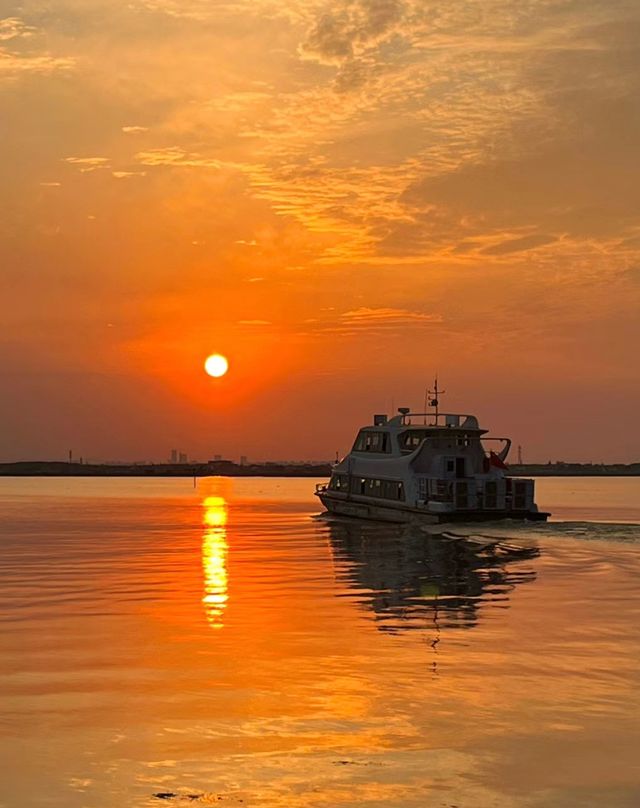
494,460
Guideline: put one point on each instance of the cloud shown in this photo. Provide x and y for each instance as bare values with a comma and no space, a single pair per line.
366,320
204,11
134,130
519,244
88,164
176,156
339,34
126,174
14,28
18,58
388,317
12,64
330,40
254,322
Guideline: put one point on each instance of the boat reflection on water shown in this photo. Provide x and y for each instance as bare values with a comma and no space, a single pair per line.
415,580
214,559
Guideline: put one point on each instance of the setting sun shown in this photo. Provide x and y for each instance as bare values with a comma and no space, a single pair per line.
216,365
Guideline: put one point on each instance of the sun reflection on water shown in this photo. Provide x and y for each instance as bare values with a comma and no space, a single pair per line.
214,559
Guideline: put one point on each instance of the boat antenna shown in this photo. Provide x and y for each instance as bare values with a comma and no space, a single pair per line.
433,400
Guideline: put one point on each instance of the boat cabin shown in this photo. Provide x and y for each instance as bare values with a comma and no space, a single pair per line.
452,450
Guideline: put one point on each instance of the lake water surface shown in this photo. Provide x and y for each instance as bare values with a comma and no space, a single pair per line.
162,644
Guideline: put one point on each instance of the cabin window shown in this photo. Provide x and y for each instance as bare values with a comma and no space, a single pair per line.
410,440
339,482
372,442
450,466
382,489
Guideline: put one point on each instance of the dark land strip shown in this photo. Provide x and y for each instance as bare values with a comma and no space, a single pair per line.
227,468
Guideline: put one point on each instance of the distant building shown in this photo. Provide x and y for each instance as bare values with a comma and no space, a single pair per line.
243,460
174,456
217,458
182,457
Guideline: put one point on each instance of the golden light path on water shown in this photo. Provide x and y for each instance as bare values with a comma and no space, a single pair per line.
214,559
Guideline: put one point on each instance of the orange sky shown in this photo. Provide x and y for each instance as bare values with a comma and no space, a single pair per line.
342,197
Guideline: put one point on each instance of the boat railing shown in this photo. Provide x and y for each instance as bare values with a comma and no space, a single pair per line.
447,419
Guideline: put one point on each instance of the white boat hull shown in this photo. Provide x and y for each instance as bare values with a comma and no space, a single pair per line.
360,508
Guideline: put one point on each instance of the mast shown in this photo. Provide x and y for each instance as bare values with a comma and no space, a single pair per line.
433,397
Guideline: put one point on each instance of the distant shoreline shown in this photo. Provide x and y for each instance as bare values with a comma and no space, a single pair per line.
226,468
222,469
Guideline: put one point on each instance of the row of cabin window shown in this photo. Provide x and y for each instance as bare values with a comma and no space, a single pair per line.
373,442
410,440
368,487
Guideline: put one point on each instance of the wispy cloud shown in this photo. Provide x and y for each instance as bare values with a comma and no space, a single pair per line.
88,164
14,28
515,245
20,56
13,64
365,316
254,322
120,175
176,156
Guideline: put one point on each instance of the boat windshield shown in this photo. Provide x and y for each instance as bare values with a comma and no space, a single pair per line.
411,439
369,441
438,439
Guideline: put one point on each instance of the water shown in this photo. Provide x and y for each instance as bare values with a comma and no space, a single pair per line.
221,646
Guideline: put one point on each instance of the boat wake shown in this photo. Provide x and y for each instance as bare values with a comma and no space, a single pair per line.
518,531
506,532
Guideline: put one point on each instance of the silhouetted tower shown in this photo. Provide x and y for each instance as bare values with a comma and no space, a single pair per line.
519,455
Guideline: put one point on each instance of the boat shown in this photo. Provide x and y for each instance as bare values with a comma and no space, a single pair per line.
429,467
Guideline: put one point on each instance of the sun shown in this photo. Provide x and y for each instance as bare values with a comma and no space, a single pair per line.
216,365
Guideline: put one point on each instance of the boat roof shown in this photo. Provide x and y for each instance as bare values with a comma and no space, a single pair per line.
437,421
